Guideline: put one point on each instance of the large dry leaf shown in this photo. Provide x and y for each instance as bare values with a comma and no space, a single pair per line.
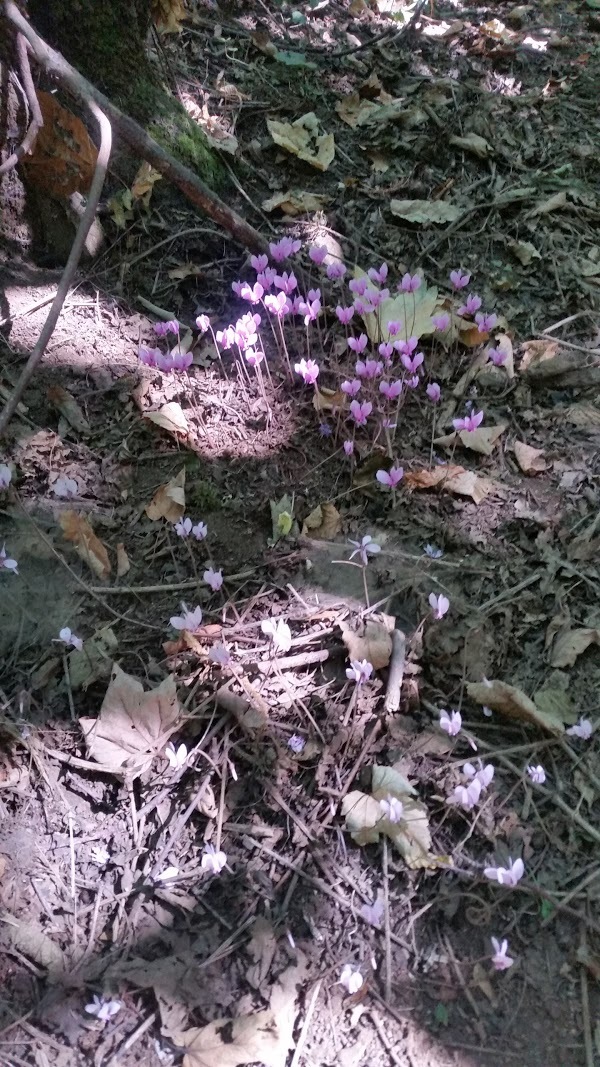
29,938
69,408
473,143
450,479
571,643
296,202
64,155
584,415
133,726
302,139
354,111
372,642
530,460
425,212
365,821
323,523
168,501
514,704
144,182
89,548
413,310
170,418
481,440
168,15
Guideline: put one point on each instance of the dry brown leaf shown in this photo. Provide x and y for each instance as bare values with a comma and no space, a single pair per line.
329,399
474,144
296,202
584,415
29,938
552,203
302,139
538,351
504,344
133,726
450,479
123,564
89,548
170,418
69,408
168,501
572,643
353,110
323,523
425,212
481,440
168,15
64,155
144,182
515,704
530,460
373,642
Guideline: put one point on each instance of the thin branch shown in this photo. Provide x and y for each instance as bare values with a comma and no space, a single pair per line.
37,120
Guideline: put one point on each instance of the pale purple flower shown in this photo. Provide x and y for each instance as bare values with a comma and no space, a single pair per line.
537,774
237,287
219,655
203,323
412,363
373,913
470,306
358,344
441,321
351,388
369,368
284,248
212,860
582,729
225,338
451,723
188,620
379,275
459,280
161,329
365,548
213,578
310,309
391,808
484,775
253,293
335,271
434,392
485,323
6,563
67,636
376,297
176,756
362,306
510,875
410,284
466,796
360,412
199,531
286,282
439,605
325,429
359,671
501,960
308,370
318,254
391,390
253,358
103,1009
433,551
351,979
344,314
386,349
496,356
277,305
469,423
279,633
349,447
413,383
394,327
64,487
148,356
259,263
406,348
358,286
266,277
5,476
390,479
296,305
313,294
183,528
181,360
296,743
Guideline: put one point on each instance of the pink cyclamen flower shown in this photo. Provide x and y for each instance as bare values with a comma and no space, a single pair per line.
253,358
103,1009
296,743
203,323
373,913
348,447
496,356
336,271
344,314
394,327
351,979
485,323
376,297
259,263
176,756
67,636
318,254
459,280
441,321
582,729
237,287
188,620
359,671
406,348
410,283
212,860
510,875
413,382
536,774
199,531
161,329
313,294
386,349
213,578
470,306
308,371
362,306
67,488
284,248
310,309
469,423
500,959
360,412
365,548
358,286
378,275
286,282
358,344
391,808
5,476
434,392
148,356
439,605
181,360
485,775
391,390
466,796
219,655
266,277
252,293
412,363
451,723
351,388
390,479
277,305
369,368
279,633
183,528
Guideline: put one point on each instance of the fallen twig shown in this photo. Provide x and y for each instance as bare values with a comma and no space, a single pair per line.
37,121
396,675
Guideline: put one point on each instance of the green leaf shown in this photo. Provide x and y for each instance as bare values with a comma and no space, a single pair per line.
387,780
441,1014
546,909
294,59
282,512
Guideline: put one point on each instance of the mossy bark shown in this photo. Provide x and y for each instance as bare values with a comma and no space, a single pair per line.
106,41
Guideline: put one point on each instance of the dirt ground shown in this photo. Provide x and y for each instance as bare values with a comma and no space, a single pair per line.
106,884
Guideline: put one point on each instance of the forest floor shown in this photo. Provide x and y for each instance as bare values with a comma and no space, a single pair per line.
106,887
